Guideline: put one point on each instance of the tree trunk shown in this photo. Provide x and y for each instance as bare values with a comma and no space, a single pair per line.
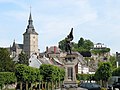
6,86
48,85
45,86
59,84
52,86
20,85
31,86
42,85
26,85
39,85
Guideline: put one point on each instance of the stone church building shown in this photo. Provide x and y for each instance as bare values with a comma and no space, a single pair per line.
30,41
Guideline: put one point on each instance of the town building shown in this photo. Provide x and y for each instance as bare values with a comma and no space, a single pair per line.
52,55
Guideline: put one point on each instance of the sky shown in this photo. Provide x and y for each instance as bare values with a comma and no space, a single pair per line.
96,20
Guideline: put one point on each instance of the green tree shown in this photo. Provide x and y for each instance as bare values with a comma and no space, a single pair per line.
26,74
19,72
61,44
81,42
113,61
100,51
85,45
116,72
7,78
46,71
104,72
52,73
6,63
23,58
88,44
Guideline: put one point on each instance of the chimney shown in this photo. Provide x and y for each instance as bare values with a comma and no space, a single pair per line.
46,49
54,49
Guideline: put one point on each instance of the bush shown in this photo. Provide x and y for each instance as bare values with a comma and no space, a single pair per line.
7,78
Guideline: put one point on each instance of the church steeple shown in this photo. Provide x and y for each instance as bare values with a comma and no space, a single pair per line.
30,28
30,22
30,38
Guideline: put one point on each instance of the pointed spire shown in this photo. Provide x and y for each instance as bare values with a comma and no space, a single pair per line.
30,17
30,27
30,20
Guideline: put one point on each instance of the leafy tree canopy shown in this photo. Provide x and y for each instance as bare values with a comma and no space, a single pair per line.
6,63
84,47
104,72
7,77
23,58
51,73
99,51
116,72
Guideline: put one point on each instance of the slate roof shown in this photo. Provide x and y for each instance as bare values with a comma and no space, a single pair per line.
30,28
51,49
19,46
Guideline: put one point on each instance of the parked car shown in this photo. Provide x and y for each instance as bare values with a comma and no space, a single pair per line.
90,86
116,85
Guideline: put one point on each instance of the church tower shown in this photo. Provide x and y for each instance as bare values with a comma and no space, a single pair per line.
30,38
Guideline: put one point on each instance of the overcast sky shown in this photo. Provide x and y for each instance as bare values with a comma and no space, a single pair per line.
96,20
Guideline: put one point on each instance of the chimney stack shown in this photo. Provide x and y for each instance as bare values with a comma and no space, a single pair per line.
46,49
54,49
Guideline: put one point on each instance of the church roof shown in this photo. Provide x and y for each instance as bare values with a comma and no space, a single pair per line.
30,28
19,46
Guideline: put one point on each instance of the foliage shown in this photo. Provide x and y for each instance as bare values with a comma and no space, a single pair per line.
26,73
99,51
62,44
51,73
85,77
83,46
6,63
81,42
7,77
116,72
113,61
62,73
23,58
104,72
46,71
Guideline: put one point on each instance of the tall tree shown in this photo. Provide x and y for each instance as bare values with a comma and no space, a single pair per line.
6,63
104,72
81,42
23,58
88,44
